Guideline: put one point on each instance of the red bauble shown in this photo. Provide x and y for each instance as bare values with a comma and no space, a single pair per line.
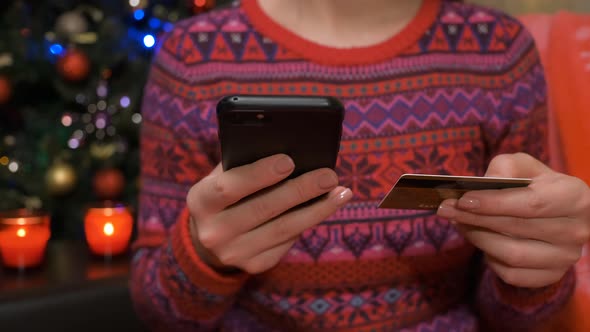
5,90
109,183
74,66
200,6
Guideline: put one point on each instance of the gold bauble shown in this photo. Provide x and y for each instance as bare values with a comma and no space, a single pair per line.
60,179
102,151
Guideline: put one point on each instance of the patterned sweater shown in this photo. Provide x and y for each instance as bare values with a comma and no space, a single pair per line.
458,85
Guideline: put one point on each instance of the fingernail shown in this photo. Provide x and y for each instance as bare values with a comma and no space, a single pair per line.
284,165
328,181
467,203
343,197
446,211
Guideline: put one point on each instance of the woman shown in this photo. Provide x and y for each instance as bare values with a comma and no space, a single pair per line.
429,86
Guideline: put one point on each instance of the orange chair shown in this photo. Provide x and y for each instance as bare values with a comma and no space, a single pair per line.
564,42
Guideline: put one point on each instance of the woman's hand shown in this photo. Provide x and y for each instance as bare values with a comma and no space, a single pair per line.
244,218
531,236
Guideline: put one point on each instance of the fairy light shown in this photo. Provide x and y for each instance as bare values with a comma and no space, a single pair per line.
125,101
73,143
136,118
101,105
101,123
13,166
66,120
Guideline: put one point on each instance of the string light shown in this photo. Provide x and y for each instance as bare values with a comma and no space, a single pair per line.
133,3
125,101
73,143
139,14
4,161
66,120
101,105
80,98
154,23
56,49
13,166
101,91
149,41
78,134
136,118
101,123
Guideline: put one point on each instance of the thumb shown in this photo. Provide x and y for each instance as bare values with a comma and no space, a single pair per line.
517,165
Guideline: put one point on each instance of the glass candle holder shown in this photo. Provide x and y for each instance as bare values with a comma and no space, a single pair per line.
108,227
23,237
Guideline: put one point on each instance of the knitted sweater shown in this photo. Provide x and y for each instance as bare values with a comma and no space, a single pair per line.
458,85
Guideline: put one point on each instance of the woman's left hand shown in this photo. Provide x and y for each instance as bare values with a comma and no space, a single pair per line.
531,236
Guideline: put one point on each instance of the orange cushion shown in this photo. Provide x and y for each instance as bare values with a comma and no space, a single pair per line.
564,42
568,74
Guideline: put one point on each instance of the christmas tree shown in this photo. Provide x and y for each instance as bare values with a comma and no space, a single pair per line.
71,81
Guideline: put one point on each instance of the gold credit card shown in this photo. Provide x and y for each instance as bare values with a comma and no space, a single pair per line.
427,192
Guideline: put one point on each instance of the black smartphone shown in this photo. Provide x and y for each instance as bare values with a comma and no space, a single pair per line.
307,128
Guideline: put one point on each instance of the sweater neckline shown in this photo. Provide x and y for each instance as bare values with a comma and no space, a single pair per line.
328,55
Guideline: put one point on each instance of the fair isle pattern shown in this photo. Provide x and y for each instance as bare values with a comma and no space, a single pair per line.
470,88
457,320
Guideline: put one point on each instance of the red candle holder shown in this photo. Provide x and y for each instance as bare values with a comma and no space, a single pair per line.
108,227
23,237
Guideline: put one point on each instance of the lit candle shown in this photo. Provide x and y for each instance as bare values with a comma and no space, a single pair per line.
23,238
108,229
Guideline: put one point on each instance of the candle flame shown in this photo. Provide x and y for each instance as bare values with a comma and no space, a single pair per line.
21,232
108,229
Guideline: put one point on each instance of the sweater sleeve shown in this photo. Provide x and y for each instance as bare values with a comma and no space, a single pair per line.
517,122
172,289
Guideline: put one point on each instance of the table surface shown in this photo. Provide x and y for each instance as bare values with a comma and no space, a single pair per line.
68,266
71,291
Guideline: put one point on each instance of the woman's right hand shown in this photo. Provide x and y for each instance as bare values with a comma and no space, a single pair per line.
244,218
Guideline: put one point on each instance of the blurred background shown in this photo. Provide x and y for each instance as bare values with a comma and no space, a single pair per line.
517,7
71,78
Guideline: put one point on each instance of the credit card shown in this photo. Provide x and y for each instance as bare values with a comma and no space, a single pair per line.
427,192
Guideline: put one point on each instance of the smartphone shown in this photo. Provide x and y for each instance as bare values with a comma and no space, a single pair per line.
307,128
